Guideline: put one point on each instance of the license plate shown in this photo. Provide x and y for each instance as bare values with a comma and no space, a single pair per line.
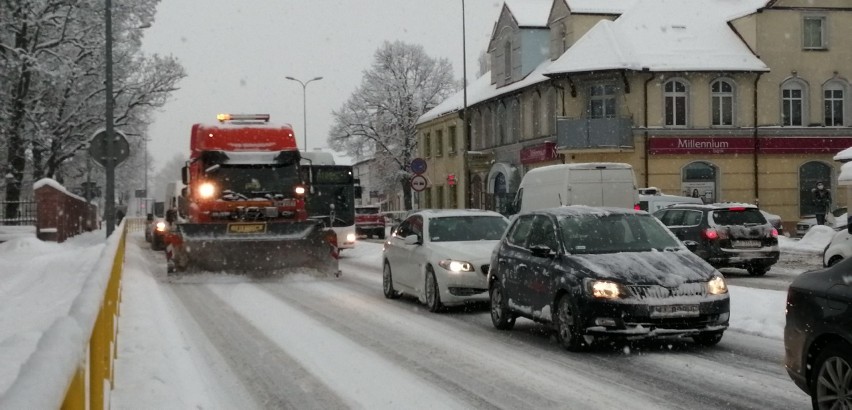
246,228
674,311
746,244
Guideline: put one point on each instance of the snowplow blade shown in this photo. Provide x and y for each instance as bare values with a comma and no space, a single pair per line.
256,248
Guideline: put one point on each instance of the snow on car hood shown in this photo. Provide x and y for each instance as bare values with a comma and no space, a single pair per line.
666,268
468,251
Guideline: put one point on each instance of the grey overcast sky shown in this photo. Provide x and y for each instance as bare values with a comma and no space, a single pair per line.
237,53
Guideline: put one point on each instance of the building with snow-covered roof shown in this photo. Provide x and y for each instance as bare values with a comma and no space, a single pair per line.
745,100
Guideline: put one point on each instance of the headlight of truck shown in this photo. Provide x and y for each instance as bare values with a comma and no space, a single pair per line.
206,190
456,266
605,289
717,286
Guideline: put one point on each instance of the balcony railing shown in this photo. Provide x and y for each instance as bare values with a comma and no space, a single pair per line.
594,133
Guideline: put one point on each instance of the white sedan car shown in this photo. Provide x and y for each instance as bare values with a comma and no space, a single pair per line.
442,256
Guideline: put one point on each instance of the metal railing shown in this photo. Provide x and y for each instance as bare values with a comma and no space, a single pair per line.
25,215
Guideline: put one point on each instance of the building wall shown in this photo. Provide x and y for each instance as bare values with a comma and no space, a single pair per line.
439,167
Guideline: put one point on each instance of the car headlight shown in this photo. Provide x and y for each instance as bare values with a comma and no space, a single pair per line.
206,190
605,289
456,266
717,286
161,226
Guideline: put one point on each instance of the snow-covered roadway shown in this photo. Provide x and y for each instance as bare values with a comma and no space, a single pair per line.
301,342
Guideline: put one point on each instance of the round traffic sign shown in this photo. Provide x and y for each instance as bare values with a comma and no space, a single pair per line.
418,166
418,183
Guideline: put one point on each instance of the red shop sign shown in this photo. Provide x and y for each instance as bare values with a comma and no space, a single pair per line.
539,153
700,145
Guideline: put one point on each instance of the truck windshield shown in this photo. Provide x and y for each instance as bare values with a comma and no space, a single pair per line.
255,180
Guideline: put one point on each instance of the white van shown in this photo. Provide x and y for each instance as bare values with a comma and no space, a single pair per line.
653,203
593,183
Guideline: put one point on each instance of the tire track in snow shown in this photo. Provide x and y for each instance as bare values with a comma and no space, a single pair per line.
457,361
275,379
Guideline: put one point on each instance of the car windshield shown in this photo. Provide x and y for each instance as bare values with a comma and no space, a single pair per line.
254,180
367,211
466,228
615,233
748,216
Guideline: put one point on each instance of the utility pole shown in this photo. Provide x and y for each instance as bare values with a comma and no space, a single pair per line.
109,198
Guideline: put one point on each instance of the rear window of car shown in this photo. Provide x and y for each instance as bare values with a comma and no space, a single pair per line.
738,217
466,228
367,211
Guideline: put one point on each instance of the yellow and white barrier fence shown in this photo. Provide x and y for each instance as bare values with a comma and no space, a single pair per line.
82,379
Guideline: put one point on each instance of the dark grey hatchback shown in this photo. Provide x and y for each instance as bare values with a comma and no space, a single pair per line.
604,273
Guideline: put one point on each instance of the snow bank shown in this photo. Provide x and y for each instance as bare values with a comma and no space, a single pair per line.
814,241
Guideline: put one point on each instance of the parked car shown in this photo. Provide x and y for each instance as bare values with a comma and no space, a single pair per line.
655,202
835,219
604,272
442,256
775,220
725,234
818,335
369,221
839,248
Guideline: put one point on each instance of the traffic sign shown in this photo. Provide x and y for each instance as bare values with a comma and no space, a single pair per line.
418,166
418,183
98,147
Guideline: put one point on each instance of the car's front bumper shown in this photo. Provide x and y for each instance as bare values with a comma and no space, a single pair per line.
463,287
634,319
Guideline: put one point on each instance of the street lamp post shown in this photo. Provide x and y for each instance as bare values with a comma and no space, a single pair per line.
304,106
109,198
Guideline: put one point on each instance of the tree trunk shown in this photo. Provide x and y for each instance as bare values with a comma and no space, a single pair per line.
406,192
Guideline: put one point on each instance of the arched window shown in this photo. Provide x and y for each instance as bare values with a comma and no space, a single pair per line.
700,179
722,101
793,102
507,59
676,96
834,103
809,174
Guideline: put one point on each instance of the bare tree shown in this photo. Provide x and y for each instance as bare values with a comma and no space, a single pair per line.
51,83
379,118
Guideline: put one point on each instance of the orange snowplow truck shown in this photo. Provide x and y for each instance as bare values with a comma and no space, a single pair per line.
246,204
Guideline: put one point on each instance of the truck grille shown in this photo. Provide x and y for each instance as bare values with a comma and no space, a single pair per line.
662,292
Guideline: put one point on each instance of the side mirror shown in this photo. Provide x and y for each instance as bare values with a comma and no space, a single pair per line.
184,175
412,240
691,245
542,251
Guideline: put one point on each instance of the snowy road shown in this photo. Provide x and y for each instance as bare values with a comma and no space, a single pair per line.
303,342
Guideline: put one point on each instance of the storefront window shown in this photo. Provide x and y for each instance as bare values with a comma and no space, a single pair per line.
809,174
699,180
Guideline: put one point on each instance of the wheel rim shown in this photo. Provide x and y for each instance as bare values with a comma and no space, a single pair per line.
497,303
833,384
386,279
430,288
566,320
